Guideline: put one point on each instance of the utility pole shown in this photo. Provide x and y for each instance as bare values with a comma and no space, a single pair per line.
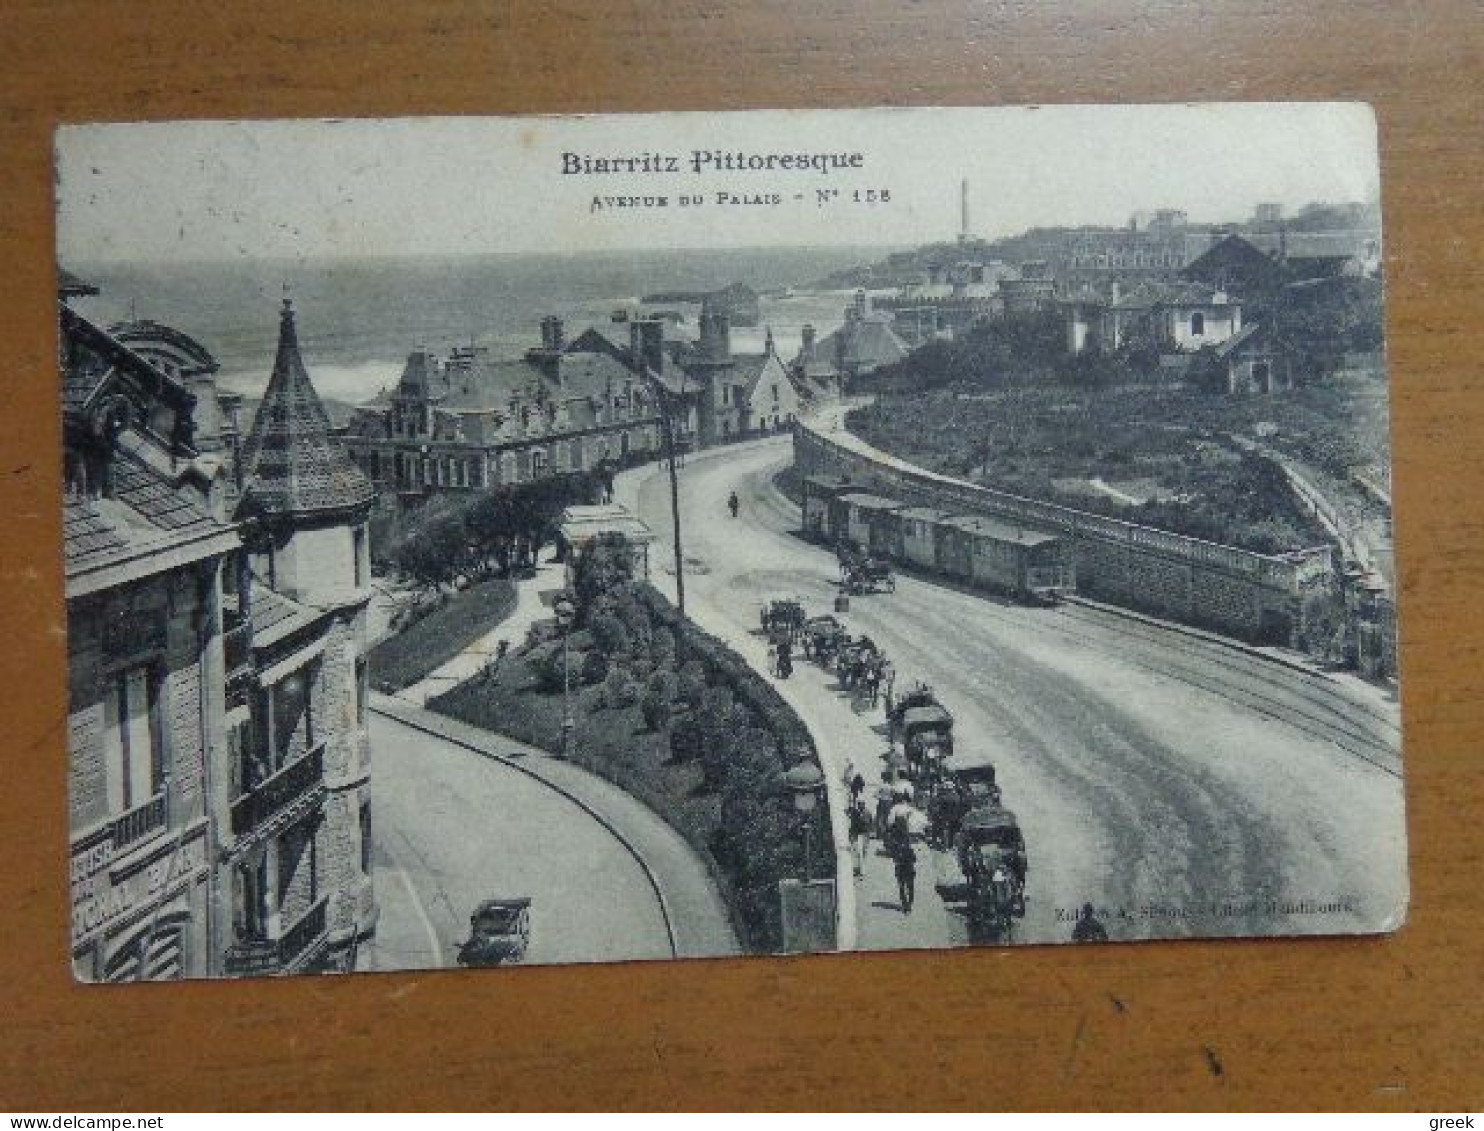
674,494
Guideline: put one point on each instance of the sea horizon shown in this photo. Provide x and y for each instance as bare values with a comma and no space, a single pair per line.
359,317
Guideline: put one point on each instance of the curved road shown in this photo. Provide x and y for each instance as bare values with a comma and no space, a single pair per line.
453,828
1153,775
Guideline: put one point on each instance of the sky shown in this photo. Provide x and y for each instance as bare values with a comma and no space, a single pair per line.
444,186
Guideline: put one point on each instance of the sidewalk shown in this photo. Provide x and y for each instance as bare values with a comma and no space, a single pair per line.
697,916
528,609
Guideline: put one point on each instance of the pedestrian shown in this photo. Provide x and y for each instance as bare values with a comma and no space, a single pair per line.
1088,928
885,797
860,834
889,679
785,660
905,858
857,786
772,658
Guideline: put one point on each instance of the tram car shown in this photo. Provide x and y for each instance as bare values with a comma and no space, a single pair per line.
862,519
916,540
1005,557
819,491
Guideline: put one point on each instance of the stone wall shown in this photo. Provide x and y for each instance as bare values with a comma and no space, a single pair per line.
1249,595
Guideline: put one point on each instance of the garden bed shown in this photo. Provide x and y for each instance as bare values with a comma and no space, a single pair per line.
428,643
673,717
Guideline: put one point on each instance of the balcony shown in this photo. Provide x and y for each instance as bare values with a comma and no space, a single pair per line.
297,945
277,793
292,950
136,824
237,645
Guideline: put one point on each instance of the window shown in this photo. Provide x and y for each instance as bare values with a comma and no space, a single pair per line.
358,554
135,769
292,715
361,689
775,393
1197,324
726,394
366,837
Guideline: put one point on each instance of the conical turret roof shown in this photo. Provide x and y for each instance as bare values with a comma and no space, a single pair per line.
294,466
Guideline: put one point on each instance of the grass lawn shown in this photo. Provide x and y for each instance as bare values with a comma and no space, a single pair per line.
426,645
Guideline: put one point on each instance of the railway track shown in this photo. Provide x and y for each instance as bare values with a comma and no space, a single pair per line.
1322,714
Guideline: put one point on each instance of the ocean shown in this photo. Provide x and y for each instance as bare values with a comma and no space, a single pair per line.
359,319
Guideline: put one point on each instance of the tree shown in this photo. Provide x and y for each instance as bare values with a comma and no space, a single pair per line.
655,705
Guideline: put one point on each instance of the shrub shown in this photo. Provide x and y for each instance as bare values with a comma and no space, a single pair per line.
594,667
611,635
659,690
686,739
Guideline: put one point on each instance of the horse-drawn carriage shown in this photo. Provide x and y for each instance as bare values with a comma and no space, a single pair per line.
783,620
862,572
869,575
822,638
925,728
956,794
990,853
858,663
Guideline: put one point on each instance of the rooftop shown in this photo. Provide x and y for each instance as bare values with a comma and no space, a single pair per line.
293,464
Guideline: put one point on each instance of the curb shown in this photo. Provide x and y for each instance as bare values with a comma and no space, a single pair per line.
397,715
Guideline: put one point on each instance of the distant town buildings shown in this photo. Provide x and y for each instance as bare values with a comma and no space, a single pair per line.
219,770
471,421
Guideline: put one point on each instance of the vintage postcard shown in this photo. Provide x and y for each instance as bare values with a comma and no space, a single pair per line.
582,539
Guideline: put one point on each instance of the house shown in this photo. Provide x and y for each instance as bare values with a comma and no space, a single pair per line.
1252,362
864,343
471,421
771,399
1236,265
1176,318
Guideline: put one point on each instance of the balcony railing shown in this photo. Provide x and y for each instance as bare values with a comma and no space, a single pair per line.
277,792
139,822
237,644
289,950
304,935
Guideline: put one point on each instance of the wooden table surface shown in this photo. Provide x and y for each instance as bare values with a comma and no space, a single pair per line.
1370,1023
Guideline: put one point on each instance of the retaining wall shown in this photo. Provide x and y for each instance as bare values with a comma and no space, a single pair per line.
1249,595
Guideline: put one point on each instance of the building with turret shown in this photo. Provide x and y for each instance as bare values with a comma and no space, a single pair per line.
298,843
219,794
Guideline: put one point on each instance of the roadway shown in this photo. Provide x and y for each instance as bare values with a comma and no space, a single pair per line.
452,828
1182,785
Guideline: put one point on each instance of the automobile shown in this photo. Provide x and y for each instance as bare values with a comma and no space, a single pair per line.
499,932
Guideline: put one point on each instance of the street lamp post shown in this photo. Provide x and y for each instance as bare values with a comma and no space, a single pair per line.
565,614
805,781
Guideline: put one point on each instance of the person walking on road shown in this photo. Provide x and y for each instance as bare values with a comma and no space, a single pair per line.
886,797
904,857
860,833
733,504
1089,928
